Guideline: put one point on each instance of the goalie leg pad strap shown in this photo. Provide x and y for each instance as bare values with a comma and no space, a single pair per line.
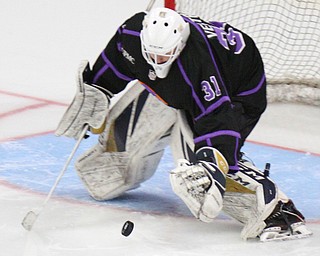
103,173
253,203
108,175
182,144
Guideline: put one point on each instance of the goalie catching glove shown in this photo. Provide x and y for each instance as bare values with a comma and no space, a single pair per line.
201,185
89,106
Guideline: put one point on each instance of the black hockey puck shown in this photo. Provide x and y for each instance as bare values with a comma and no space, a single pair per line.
127,228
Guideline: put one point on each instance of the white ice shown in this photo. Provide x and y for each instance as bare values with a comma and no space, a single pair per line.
42,42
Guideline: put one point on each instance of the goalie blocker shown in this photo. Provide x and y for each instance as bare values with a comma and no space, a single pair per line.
89,106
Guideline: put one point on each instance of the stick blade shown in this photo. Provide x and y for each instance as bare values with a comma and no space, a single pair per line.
29,220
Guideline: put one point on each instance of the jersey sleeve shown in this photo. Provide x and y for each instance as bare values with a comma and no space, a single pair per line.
232,93
110,70
218,128
249,96
215,124
214,120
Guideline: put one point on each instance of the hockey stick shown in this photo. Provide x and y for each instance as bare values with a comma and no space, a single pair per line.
30,218
150,5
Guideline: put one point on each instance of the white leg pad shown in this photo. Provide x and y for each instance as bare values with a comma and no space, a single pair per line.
109,174
182,144
103,173
255,200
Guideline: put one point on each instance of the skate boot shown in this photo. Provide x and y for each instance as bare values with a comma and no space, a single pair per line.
284,223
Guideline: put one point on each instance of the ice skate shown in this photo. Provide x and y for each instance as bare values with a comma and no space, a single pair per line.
285,223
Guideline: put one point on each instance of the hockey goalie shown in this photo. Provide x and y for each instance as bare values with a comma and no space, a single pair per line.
196,86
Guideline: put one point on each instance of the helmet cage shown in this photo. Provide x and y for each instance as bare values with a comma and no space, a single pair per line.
152,57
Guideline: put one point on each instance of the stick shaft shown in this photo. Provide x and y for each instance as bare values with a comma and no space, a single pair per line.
150,5
83,133
31,216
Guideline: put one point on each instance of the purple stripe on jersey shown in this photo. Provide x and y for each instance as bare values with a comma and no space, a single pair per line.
119,46
216,134
148,89
213,107
186,78
130,32
235,167
101,71
209,49
254,90
115,71
218,24
207,138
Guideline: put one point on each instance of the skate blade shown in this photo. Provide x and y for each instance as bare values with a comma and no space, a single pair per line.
284,237
298,230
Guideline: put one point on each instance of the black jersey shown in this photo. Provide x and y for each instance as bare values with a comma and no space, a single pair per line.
218,79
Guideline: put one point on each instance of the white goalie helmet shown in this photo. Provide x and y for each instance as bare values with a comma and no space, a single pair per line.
163,37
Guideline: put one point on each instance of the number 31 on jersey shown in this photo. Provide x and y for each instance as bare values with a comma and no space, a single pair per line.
211,88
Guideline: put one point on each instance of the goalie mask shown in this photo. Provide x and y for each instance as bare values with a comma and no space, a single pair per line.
163,37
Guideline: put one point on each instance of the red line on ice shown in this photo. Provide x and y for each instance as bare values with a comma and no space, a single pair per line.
26,108
42,103
32,98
